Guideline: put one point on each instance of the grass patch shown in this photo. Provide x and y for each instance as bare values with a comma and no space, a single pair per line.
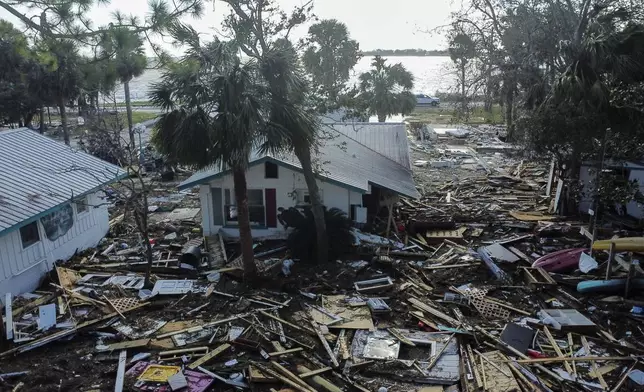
446,116
138,117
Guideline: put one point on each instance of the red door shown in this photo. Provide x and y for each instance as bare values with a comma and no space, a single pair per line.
270,196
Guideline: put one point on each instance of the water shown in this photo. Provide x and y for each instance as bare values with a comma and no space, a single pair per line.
431,74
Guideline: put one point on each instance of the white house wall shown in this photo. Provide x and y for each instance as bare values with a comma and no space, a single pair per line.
633,209
288,180
22,269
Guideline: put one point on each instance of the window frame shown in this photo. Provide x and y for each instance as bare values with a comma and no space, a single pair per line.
37,231
84,201
233,202
277,170
302,193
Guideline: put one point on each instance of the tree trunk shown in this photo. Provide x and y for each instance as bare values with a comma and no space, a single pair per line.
63,119
509,113
304,155
243,219
128,108
146,237
49,115
382,117
463,98
41,129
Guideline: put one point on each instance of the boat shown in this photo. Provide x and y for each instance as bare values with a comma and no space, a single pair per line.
631,244
608,286
561,260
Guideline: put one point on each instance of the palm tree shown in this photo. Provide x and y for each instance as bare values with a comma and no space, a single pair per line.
292,127
126,49
386,90
213,116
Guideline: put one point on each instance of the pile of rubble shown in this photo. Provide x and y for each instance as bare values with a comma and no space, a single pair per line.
475,287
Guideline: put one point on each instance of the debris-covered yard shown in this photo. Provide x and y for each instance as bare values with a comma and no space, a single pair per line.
476,286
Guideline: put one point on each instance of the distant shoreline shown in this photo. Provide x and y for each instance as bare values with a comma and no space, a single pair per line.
405,53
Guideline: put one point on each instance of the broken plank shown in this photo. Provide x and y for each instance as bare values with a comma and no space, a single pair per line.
8,316
120,372
280,377
59,335
292,376
311,373
298,328
595,368
556,347
284,352
424,307
209,356
318,380
325,344
128,344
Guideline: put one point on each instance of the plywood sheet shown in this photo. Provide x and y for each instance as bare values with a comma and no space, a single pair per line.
359,316
496,380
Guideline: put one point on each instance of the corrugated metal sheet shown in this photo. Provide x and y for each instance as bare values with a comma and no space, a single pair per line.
37,174
343,160
389,139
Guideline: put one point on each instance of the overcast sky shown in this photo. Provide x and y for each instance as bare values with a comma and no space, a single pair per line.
384,24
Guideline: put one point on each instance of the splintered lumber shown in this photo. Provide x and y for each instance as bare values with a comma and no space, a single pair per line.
424,307
555,346
325,344
400,337
284,352
209,356
292,376
569,359
517,352
280,377
317,380
595,368
314,372
296,327
572,354
59,335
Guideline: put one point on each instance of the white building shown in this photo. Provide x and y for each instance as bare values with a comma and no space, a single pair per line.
50,206
631,171
363,167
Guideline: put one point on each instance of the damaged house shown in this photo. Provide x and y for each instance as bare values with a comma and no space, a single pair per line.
50,206
363,167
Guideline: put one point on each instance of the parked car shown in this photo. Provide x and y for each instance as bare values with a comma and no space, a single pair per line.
426,100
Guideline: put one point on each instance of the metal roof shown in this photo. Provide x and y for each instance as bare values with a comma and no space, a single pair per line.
343,161
38,174
389,139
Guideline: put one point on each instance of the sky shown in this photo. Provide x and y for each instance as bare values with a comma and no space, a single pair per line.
375,24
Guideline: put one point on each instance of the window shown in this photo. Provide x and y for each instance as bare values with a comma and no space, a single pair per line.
270,170
256,210
82,205
303,197
29,234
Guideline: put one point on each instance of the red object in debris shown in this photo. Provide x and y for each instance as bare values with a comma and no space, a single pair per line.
536,354
562,260
401,227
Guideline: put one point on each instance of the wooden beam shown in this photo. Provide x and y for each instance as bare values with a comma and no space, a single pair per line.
120,372
584,342
555,346
314,372
292,376
209,356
